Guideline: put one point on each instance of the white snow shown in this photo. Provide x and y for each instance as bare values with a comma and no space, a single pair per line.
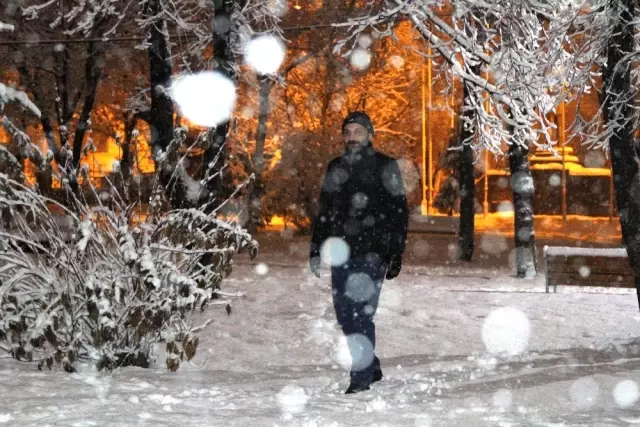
6,27
273,362
9,94
265,54
573,251
205,99
292,399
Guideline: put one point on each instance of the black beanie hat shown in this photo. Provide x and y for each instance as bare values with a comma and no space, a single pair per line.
360,118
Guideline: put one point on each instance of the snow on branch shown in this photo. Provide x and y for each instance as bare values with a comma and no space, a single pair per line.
6,27
513,58
9,94
99,17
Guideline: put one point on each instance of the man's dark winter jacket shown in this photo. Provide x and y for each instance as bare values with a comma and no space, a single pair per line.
364,202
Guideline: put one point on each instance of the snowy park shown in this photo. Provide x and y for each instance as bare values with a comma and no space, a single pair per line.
319,213
459,345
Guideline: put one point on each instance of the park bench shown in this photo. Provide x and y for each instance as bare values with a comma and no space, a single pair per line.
593,267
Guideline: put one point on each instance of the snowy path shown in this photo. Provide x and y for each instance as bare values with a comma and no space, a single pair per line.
276,361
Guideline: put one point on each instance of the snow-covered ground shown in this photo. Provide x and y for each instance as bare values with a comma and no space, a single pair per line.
568,359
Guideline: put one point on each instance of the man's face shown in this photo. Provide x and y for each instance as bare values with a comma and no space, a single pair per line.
355,136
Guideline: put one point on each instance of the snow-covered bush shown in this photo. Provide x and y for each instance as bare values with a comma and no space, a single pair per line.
94,285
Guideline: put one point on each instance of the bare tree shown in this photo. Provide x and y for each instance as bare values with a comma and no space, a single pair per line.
510,103
64,80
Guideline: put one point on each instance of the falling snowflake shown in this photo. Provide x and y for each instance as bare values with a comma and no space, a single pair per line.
335,252
360,287
626,393
278,8
494,244
584,393
506,330
396,62
365,41
206,99
265,54
410,175
359,200
360,59
522,183
595,159
505,207
584,271
420,248
262,269
354,352
337,103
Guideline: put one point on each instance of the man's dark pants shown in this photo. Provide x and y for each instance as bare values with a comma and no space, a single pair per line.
356,291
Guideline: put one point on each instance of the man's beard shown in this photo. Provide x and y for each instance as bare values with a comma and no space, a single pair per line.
354,146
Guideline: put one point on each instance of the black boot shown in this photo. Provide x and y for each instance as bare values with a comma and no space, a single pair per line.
356,388
377,372
377,375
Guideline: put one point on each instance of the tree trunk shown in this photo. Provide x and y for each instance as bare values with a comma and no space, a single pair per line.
618,116
44,177
172,174
215,154
92,73
256,187
467,191
522,187
125,173
467,178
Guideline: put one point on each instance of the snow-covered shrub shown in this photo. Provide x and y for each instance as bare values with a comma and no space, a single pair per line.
90,284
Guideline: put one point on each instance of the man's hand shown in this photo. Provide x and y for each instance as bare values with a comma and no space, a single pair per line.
395,265
314,264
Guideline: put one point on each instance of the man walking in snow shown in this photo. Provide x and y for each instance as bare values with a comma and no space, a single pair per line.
360,230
